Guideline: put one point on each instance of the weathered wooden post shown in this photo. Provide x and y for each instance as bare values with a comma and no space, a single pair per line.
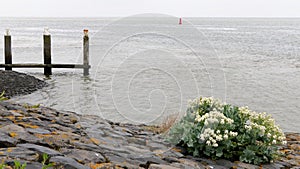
86,52
7,49
47,52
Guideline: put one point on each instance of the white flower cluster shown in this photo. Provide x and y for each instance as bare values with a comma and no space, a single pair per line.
213,117
211,138
265,120
208,100
250,125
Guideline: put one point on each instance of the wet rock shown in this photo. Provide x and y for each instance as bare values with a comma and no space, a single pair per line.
171,159
19,153
191,163
40,149
148,158
83,156
15,83
7,141
273,166
161,166
34,165
37,131
245,165
225,163
156,146
67,163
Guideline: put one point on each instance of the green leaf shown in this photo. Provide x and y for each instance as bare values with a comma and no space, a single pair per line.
219,152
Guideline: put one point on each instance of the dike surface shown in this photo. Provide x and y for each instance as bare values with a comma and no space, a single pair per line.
74,141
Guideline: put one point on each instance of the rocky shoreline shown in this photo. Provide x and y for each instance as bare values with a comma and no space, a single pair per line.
74,141
84,141
15,83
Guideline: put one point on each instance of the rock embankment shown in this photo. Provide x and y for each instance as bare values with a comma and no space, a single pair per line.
83,141
14,83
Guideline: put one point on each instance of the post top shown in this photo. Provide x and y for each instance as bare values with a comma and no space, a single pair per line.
86,32
7,32
46,31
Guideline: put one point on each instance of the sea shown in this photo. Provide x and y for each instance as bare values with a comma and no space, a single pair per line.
146,68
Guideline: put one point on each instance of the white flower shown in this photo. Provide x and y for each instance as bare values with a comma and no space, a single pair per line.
281,138
233,133
248,127
206,122
215,145
226,131
269,135
208,142
213,141
274,142
225,136
219,138
222,121
202,137
284,142
248,123
218,132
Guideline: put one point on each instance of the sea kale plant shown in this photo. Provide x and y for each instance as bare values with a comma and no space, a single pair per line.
219,130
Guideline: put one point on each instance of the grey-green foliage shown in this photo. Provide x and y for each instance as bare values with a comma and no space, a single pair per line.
219,130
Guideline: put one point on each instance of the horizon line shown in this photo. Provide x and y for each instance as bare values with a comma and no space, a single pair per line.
149,16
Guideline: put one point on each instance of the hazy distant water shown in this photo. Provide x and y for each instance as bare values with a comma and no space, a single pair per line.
146,68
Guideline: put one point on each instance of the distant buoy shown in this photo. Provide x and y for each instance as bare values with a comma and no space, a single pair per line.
180,21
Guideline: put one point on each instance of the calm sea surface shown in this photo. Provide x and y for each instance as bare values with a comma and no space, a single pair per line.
146,68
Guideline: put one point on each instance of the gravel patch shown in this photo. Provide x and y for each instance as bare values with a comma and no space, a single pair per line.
15,83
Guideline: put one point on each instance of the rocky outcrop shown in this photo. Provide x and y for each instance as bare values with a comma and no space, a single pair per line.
84,141
15,83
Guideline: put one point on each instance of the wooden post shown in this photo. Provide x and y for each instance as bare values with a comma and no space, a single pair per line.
86,53
47,52
7,49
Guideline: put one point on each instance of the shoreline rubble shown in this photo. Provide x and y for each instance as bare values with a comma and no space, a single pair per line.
15,83
87,141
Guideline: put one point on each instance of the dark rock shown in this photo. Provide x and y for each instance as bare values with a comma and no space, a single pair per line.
7,141
40,149
245,165
14,83
225,163
161,166
191,163
34,165
273,166
19,153
155,146
147,158
187,166
12,106
137,141
83,156
67,163
37,131
170,159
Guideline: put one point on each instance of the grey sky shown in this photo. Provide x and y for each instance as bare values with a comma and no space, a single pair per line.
179,8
